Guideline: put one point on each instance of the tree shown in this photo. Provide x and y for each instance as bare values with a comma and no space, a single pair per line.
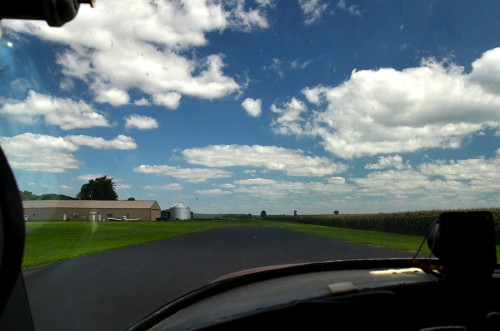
263,214
101,188
54,196
294,213
336,212
27,195
131,199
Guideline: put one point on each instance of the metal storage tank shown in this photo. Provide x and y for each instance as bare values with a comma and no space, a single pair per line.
180,212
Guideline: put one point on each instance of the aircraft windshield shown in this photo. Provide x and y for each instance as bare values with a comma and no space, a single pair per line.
294,122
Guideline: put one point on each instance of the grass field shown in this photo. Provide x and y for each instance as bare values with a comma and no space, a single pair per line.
49,242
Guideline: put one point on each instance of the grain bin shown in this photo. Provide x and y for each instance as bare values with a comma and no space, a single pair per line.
180,212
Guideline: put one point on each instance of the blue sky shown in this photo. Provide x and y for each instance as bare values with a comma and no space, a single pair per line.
242,106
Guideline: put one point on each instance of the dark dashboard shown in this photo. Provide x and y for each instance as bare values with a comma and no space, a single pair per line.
377,294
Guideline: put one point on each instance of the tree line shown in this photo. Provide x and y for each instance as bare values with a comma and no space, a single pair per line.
27,195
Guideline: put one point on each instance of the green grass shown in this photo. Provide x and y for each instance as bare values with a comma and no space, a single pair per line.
49,242
400,242
384,239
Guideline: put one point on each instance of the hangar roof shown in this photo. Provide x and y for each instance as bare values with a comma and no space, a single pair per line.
113,204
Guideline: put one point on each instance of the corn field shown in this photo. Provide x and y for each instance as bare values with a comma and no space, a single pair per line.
410,222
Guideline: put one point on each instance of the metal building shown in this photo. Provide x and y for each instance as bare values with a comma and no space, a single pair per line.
178,212
91,210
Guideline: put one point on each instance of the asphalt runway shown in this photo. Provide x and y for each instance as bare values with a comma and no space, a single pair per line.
110,290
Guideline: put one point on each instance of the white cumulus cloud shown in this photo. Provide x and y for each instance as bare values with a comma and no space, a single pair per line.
87,177
142,102
140,122
212,192
276,189
114,96
36,152
249,19
253,107
170,100
384,111
165,187
291,162
486,70
435,184
45,153
394,161
313,10
123,45
481,171
290,120
65,113
193,175
120,142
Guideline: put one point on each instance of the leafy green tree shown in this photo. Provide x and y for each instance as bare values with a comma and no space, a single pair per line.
263,214
27,195
54,196
131,199
101,188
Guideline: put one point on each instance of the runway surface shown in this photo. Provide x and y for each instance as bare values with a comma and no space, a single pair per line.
110,290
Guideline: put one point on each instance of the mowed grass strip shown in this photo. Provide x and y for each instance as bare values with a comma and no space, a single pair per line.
49,242
395,241
399,242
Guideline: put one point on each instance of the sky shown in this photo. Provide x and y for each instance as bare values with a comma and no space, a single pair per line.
242,106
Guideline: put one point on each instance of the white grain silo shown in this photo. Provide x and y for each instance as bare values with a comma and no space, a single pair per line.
180,212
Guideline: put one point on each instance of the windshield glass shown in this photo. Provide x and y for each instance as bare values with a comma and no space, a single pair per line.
305,125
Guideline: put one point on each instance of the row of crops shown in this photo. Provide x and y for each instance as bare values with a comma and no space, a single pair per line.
411,222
